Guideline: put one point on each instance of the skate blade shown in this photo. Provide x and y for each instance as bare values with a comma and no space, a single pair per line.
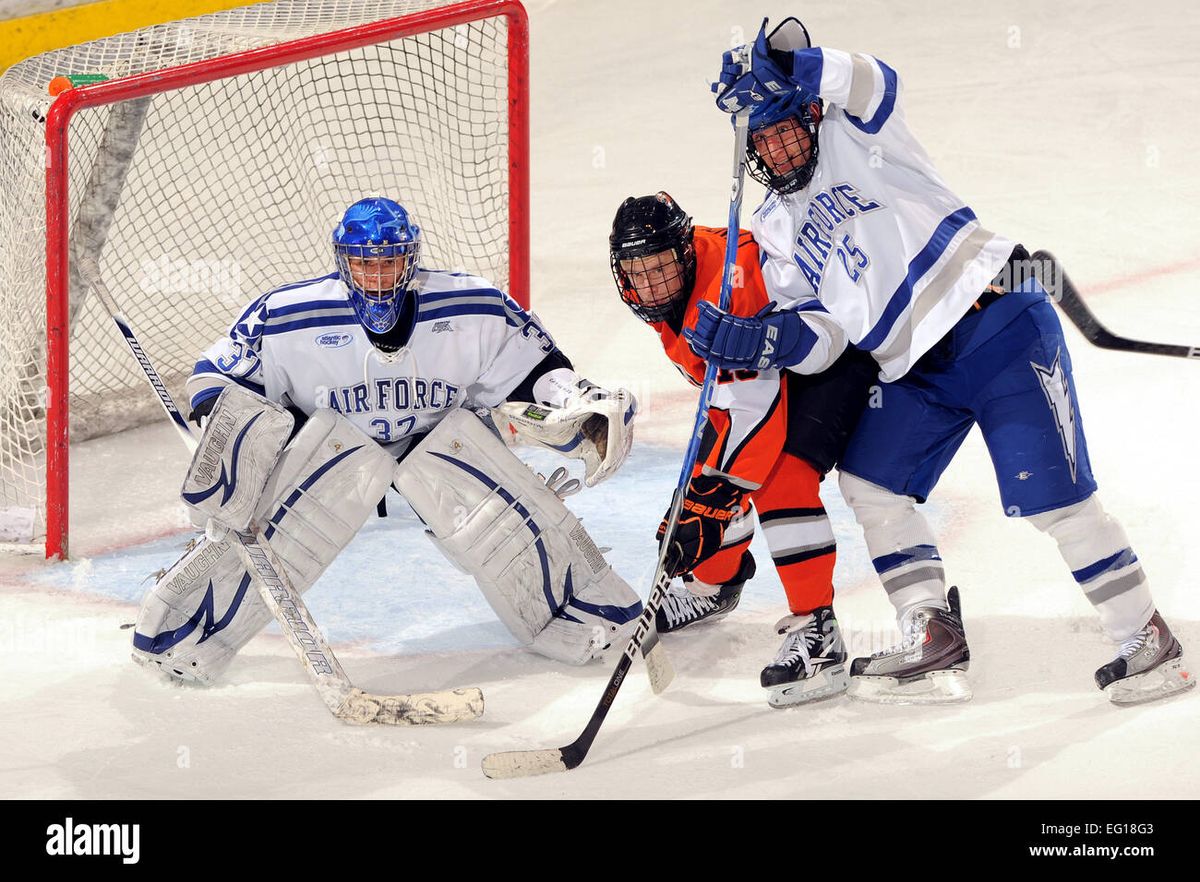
936,687
827,684
1167,679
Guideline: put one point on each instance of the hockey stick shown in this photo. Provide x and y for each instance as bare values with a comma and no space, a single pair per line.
522,763
1058,285
344,700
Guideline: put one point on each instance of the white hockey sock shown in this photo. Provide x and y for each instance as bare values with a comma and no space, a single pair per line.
1097,550
901,544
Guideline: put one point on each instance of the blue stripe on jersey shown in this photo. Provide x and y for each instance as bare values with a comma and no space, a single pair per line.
465,292
204,366
807,67
314,322
808,339
886,106
255,305
917,268
309,306
809,306
462,309
1123,558
514,314
204,394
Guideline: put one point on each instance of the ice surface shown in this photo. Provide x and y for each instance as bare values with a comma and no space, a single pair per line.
1062,125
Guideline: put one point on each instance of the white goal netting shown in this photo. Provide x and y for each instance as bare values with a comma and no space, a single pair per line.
199,199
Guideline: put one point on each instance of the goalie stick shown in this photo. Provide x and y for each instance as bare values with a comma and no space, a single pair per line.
1058,285
523,763
344,700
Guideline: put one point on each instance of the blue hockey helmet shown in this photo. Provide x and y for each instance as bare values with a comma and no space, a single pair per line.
781,152
377,246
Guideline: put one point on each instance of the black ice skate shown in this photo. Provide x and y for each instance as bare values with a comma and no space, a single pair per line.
928,667
811,663
683,606
1149,665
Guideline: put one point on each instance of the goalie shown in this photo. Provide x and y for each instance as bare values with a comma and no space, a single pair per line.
326,392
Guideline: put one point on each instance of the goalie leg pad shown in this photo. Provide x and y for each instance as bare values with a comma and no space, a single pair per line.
199,613
328,482
205,607
242,440
535,563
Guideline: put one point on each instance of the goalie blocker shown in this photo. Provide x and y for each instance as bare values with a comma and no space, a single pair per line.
538,568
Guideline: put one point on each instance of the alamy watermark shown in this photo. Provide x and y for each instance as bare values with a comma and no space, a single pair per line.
68,839
164,275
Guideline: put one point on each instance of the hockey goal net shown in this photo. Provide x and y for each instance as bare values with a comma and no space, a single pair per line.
209,164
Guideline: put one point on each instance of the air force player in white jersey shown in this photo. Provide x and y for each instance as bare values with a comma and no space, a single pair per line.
322,385
866,245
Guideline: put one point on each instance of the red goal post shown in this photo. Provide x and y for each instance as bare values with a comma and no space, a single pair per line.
59,205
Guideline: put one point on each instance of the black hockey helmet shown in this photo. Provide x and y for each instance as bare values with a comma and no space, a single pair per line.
645,227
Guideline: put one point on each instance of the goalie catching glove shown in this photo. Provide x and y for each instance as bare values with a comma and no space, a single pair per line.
708,507
588,422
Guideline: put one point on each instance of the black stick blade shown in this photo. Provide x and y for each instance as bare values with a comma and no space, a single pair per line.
1061,290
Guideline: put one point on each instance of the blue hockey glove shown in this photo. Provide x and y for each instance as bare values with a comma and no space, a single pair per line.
766,340
738,88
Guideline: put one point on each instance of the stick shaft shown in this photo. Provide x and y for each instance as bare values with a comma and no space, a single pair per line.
575,752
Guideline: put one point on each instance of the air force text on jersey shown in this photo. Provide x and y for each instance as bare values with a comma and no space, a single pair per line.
470,345
394,393
817,237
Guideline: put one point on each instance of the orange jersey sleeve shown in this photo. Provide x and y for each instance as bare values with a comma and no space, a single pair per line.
748,413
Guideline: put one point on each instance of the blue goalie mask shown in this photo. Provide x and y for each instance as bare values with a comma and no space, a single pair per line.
377,248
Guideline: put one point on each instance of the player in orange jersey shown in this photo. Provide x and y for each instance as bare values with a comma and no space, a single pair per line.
771,437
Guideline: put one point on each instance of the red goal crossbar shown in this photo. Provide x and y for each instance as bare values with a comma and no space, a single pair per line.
195,73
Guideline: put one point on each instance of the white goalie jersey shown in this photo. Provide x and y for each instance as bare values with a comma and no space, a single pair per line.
302,345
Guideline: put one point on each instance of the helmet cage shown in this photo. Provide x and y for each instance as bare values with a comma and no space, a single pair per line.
645,227
373,233
378,308
797,110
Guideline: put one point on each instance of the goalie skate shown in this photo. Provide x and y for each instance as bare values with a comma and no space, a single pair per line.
928,666
1149,666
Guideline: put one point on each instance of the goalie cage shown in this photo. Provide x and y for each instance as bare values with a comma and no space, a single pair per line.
211,166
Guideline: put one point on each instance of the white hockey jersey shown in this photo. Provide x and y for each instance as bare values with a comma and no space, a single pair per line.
303,345
894,257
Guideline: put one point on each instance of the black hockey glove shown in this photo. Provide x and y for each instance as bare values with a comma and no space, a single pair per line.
201,410
708,507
